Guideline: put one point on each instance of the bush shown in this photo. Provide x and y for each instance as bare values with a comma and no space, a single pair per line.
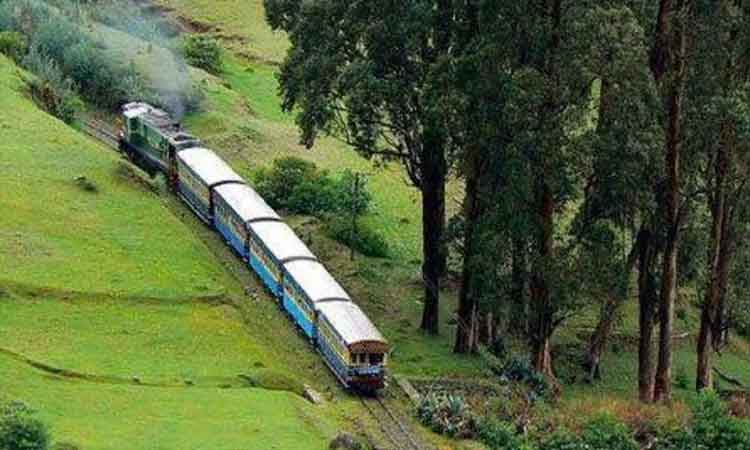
19,430
13,45
446,414
607,433
711,429
100,79
204,52
51,90
364,240
519,370
297,186
602,433
499,348
499,435
65,446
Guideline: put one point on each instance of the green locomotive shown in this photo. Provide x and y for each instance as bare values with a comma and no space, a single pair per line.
151,139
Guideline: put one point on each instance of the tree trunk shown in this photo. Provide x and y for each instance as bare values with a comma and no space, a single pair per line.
647,300
541,298
615,300
675,48
467,332
486,328
541,357
718,264
518,323
433,226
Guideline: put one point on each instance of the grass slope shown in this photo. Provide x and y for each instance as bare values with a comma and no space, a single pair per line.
114,417
241,22
117,240
120,283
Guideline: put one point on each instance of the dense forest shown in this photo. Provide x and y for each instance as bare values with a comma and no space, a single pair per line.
603,147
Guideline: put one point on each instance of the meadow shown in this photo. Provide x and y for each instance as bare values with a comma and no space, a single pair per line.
118,321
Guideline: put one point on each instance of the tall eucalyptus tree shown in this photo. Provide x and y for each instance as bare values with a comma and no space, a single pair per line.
368,72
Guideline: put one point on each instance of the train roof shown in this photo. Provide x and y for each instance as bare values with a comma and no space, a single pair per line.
281,240
155,117
316,281
208,166
350,322
158,119
247,203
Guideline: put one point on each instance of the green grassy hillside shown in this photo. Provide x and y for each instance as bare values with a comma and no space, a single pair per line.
119,320
116,239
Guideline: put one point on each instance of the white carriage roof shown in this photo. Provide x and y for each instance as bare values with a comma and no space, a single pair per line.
281,240
316,281
247,203
208,166
350,322
135,109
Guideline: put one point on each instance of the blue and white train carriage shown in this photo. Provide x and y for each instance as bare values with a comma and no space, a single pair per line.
200,171
349,343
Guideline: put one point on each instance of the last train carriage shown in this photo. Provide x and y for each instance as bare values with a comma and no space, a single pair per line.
318,305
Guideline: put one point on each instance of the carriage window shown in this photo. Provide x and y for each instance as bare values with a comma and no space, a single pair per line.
376,358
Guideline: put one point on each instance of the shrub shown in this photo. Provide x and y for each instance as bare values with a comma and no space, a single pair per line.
602,433
519,370
55,36
65,446
51,90
711,429
13,45
19,430
562,440
204,52
446,414
100,79
499,435
499,348
299,187
295,185
364,239
607,433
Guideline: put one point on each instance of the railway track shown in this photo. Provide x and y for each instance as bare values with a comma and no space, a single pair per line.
101,132
393,427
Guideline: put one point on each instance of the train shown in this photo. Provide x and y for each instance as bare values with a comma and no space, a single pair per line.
323,311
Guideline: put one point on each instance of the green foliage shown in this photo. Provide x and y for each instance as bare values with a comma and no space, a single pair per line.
602,433
58,42
499,435
50,88
101,80
65,446
297,186
446,414
13,45
682,380
711,429
519,370
364,239
499,348
204,52
19,430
